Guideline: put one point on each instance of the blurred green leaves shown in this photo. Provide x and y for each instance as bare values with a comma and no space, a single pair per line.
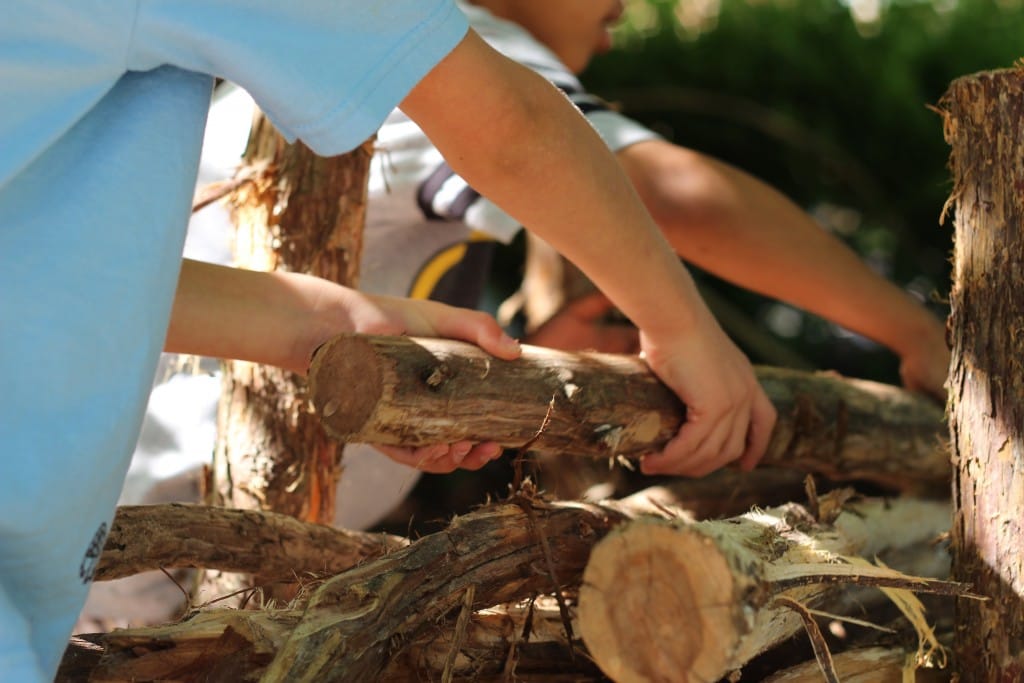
831,110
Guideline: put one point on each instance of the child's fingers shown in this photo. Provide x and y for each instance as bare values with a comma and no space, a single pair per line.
762,421
481,455
479,328
700,448
433,459
444,458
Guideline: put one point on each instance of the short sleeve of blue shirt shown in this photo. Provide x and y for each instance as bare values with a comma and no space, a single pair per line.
325,71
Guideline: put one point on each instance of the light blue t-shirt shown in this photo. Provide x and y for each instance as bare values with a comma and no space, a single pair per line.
104,105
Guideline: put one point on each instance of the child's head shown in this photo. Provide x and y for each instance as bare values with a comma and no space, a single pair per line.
575,30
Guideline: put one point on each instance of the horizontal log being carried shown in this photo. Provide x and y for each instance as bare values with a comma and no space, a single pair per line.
413,391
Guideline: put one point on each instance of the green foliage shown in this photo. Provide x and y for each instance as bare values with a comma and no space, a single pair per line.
834,113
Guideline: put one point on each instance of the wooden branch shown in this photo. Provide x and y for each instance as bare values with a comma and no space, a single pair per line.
725,493
405,391
231,645
274,545
409,632
868,665
983,113
353,622
524,639
663,600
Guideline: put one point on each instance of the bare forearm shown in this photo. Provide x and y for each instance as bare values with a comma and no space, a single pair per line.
585,208
246,315
740,229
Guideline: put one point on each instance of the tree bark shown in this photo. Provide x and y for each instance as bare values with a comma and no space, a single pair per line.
983,115
280,547
393,616
422,391
507,553
351,625
276,546
668,601
527,640
301,213
868,665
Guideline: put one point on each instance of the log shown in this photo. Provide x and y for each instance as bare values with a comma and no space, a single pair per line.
356,623
867,665
234,646
499,550
983,114
669,601
405,391
275,545
506,642
725,493
507,553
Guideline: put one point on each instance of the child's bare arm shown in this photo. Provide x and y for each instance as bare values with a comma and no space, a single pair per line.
731,224
519,142
281,318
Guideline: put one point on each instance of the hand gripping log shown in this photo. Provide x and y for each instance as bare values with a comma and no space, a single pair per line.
417,391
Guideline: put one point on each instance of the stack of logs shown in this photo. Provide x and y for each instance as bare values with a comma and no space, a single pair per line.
691,581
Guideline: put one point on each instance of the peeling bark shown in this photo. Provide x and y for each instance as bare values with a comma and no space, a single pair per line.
664,600
422,391
983,115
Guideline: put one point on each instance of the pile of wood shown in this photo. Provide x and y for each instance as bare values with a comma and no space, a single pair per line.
693,582
644,588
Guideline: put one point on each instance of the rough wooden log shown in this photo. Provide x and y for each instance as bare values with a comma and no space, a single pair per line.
498,550
506,642
664,601
300,213
506,553
725,493
983,115
868,665
349,630
421,391
526,639
274,545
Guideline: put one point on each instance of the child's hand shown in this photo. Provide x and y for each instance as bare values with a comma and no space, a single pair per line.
373,314
728,416
444,458
924,366
579,326
376,314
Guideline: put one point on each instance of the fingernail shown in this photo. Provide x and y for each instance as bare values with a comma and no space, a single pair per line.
460,451
491,451
507,342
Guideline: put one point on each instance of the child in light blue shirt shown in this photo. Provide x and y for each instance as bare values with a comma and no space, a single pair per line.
99,138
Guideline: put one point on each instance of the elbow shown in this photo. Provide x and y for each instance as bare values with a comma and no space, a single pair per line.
690,212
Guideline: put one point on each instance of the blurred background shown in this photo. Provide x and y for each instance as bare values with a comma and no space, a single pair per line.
828,100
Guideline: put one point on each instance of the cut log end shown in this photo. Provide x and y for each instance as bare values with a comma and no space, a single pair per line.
345,384
637,586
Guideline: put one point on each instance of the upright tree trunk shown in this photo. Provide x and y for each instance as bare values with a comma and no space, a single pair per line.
301,213
984,124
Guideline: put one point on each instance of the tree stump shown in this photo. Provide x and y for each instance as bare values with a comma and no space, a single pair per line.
300,213
984,125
